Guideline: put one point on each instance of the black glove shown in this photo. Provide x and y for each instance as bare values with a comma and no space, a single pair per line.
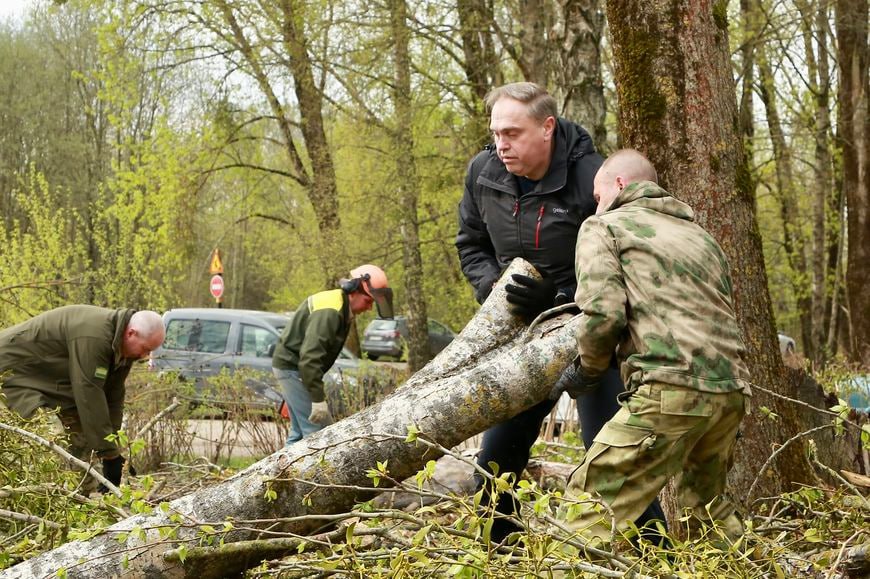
530,297
574,382
112,468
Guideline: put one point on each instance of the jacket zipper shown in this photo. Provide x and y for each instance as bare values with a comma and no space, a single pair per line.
538,226
516,208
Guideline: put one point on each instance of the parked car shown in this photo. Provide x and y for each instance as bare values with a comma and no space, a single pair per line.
202,342
387,337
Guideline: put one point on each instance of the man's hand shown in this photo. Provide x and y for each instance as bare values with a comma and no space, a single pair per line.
530,296
320,413
574,383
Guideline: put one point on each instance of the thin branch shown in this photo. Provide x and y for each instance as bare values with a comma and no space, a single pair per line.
779,450
70,458
29,519
150,424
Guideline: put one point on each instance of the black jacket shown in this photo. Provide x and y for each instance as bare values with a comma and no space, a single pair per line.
498,223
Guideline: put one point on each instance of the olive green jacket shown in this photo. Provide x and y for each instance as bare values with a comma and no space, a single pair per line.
654,283
69,358
313,339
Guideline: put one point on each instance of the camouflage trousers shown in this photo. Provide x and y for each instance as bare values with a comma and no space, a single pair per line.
661,431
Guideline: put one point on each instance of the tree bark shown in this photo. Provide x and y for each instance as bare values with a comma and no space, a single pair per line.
323,191
481,65
408,188
534,18
577,82
490,372
854,139
678,105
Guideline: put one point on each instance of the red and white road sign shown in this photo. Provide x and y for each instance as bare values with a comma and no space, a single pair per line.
216,286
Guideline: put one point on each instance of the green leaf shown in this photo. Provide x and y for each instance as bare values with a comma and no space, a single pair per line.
420,535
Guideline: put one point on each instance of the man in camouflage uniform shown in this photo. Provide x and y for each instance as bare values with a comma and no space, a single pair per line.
655,285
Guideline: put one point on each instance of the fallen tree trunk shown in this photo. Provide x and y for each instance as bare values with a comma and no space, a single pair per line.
491,371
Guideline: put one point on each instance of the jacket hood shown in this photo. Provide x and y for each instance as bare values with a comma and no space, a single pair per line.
574,139
572,142
648,195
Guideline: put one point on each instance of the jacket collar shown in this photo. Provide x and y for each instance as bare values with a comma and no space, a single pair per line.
121,319
649,195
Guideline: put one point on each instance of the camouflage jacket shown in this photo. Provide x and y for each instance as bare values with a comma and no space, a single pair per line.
70,358
657,286
313,339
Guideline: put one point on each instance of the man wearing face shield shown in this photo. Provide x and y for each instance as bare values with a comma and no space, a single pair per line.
313,339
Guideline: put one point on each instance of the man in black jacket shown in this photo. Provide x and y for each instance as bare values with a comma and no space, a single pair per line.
526,196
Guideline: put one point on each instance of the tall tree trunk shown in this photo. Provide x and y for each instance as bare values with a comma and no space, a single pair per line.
318,181
677,105
813,25
408,187
323,191
577,80
490,372
749,15
534,18
481,64
793,240
854,140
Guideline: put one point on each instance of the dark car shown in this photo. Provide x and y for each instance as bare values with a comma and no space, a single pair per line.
203,342
387,337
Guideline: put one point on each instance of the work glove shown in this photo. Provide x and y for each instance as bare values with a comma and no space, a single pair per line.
574,382
112,468
530,296
320,413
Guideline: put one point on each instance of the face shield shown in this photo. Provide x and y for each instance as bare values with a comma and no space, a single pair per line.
383,298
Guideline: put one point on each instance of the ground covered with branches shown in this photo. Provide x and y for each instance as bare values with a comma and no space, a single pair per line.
815,531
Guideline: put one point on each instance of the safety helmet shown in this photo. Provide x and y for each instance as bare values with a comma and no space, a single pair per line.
373,281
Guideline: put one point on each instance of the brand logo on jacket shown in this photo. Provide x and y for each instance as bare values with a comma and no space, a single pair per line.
560,211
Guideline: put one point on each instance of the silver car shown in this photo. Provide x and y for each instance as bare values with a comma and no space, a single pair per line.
203,342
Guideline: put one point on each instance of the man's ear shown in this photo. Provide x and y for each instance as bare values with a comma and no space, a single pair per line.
620,183
549,126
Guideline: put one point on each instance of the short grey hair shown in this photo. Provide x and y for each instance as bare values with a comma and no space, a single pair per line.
146,323
539,102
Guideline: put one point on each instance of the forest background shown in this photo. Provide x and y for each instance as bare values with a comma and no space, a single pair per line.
303,138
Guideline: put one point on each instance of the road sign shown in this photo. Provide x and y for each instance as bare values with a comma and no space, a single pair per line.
216,266
216,286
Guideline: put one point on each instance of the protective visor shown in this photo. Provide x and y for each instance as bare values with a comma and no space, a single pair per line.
383,298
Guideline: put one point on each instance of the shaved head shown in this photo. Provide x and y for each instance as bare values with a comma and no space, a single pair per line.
631,165
620,170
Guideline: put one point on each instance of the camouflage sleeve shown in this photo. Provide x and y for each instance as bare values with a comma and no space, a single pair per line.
600,294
